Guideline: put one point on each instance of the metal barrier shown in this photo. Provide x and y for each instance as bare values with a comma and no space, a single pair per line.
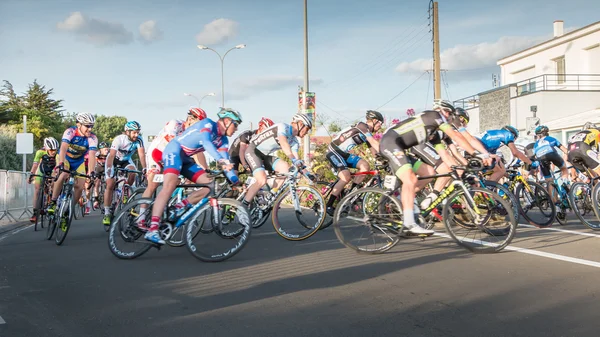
15,195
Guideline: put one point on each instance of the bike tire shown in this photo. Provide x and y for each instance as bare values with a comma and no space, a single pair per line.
61,233
123,227
495,205
40,207
584,199
542,198
308,230
325,189
507,194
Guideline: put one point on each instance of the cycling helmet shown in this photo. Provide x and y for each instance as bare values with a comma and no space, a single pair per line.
541,129
132,126
102,145
230,113
305,119
512,130
50,143
85,118
444,105
197,112
589,125
265,122
372,114
460,112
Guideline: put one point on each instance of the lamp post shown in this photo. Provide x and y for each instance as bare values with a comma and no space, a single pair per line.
222,58
199,100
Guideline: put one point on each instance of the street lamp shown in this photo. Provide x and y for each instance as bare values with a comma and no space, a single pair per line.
222,58
199,100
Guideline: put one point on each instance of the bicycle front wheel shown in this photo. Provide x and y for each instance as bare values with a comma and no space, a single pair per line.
580,198
64,219
212,240
368,220
125,239
301,211
487,225
535,204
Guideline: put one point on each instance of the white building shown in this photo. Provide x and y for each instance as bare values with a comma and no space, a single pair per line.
557,81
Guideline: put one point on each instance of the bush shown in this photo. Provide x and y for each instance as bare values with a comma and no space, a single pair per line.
10,160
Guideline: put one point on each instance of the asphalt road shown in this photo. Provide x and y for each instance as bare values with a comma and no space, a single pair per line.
546,284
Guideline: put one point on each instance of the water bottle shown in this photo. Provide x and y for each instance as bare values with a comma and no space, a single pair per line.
232,176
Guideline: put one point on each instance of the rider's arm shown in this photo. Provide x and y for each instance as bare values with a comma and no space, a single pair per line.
458,138
92,162
374,144
476,143
243,147
142,156
518,153
457,154
62,154
109,162
285,147
34,167
217,154
200,158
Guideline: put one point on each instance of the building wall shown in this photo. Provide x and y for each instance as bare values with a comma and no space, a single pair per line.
473,126
494,109
581,52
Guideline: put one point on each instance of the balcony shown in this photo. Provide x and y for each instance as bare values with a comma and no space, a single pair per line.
557,82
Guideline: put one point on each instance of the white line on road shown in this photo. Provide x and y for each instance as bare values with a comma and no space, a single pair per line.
535,252
15,232
561,230
2,321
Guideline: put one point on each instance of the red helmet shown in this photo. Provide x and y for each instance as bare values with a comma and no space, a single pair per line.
265,122
198,113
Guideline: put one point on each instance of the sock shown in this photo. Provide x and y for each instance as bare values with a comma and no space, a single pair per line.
246,202
183,203
89,203
154,223
409,218
106,210
332,199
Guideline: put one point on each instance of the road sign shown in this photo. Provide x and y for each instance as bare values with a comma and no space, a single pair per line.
24,143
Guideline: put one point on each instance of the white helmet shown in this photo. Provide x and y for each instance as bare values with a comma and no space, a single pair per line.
305,119
85,118
50,143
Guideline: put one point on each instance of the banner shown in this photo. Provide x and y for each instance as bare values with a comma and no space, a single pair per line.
308,100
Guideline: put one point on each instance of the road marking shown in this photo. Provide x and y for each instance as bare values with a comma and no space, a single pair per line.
561,230
536,253
15,232
2,321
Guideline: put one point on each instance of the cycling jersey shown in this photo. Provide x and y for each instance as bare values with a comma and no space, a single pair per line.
419,129
583,156
45,162
590,137
266,142
79,145
154,155
352,136
493,139
234,149
545,145
125,148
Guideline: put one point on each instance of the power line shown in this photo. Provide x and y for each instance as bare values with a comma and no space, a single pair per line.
403,90
428,87
445,80
326,106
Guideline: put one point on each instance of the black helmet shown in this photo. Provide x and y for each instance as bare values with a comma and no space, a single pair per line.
460,112
372,114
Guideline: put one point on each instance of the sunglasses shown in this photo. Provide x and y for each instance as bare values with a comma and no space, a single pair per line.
235,123
89,126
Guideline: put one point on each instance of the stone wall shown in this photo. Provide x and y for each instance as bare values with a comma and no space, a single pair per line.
494,109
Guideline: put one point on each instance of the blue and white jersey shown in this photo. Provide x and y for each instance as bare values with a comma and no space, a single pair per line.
204,135
545,145
493,139
266,142
125,147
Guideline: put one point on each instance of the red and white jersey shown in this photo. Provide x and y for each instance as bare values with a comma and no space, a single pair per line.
171,130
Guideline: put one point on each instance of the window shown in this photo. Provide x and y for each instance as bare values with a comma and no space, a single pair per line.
560,69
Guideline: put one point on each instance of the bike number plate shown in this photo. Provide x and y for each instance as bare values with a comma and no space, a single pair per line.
158,178
390,182
249,180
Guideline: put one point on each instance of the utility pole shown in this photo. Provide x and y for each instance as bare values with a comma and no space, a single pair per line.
437,79
306,89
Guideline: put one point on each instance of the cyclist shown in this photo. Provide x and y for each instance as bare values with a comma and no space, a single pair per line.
207,135
77,141
99,169
583,149
339,156
43,163
154,155
493,139
260,154
237,150
545,151
122,149
408,134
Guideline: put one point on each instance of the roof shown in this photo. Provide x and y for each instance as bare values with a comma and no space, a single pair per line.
554,39
576,120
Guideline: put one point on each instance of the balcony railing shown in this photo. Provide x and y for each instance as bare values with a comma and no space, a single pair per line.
558,82
467,102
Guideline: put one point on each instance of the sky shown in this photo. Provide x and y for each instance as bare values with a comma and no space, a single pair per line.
137,58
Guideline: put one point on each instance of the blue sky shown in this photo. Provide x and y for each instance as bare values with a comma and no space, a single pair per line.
137,58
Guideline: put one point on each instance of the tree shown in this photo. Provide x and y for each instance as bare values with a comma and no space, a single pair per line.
10,160
108,127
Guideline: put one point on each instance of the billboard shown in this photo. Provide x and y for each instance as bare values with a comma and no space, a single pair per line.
307,100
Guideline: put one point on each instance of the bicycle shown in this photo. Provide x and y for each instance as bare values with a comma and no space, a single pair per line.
561,191
64,207
580,198
43,199
531,195
223,215
122,190
378,215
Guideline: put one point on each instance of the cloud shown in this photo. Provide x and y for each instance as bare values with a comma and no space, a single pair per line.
149,32
474,59
245,89
97,32
217,32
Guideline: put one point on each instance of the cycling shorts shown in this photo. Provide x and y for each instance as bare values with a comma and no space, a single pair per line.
548,159
175,161
583,157
341,160
259,161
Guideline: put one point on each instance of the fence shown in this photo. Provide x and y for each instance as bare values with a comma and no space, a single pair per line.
15,195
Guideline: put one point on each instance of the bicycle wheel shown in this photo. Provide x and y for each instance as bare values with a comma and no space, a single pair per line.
368,220
77,209
305,205
125,239
580,198
490,231
66,211
535,197
40,207
325,188
506,194
222,241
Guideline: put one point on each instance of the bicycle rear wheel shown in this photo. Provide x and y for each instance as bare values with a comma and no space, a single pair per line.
210,241
302,212
66,212
580,198
535,204
488,232
368,221
125,239
40,208
325,188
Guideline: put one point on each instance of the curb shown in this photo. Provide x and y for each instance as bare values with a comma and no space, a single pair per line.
12,226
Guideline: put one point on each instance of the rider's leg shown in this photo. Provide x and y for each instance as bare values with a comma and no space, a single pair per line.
498,170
